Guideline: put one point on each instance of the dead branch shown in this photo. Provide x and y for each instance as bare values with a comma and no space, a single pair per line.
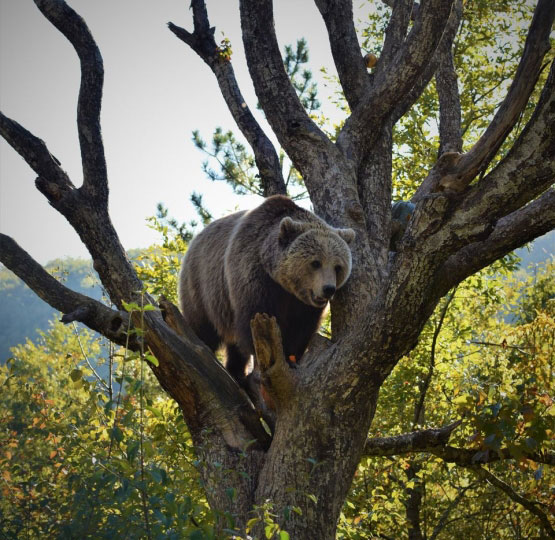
203,43
277,377
74,28
206,393
77,307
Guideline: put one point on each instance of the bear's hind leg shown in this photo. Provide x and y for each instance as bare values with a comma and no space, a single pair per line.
236,363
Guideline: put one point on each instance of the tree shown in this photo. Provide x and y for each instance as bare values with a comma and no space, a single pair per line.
472,208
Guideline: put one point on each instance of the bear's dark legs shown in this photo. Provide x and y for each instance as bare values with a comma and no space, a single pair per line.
236,363
207,334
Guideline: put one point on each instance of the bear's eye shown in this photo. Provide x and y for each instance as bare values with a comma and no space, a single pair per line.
337,269
316,264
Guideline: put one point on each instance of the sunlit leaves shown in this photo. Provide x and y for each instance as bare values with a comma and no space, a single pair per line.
72,454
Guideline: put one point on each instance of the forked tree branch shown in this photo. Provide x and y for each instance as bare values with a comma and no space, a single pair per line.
448,222
77,307
319,161
74,28
203,43
446,42
529,69
345,48
525,172
206,393
392,86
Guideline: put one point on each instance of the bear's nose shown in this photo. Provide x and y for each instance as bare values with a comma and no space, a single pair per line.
328,291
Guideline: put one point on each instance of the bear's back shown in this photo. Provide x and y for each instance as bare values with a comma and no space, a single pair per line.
203,297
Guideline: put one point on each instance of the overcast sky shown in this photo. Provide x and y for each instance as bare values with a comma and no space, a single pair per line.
156,92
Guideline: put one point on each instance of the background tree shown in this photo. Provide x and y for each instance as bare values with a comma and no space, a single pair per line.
471,208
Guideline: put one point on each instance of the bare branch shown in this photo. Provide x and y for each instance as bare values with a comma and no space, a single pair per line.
74,28
392,85
88,217
511,232
429,71
511,493
524,173
203,43
35,152
434,441
78,307
448,221
345,48
450,134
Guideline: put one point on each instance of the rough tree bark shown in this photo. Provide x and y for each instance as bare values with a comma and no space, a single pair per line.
325,407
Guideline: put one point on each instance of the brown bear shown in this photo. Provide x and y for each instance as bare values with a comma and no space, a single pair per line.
278,259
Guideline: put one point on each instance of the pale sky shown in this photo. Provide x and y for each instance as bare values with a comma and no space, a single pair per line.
156,92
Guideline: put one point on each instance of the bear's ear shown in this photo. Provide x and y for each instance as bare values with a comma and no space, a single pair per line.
347,234
289,229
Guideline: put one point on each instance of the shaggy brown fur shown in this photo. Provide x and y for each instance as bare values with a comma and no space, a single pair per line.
278,259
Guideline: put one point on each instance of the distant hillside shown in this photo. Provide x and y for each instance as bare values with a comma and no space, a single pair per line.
22,313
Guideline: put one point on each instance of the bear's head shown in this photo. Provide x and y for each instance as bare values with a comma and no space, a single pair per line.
314,260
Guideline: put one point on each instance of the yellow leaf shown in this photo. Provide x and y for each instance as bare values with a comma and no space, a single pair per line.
7,476
53,454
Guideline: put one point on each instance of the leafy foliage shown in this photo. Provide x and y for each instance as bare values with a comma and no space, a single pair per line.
88,457
493,371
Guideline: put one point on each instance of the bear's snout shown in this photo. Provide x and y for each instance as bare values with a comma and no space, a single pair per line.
328,291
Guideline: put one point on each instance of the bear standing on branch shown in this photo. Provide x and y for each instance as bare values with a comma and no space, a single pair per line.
278,259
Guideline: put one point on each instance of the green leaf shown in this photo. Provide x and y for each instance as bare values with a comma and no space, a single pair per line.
117,433
152,359
131,306
132,450
76,375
